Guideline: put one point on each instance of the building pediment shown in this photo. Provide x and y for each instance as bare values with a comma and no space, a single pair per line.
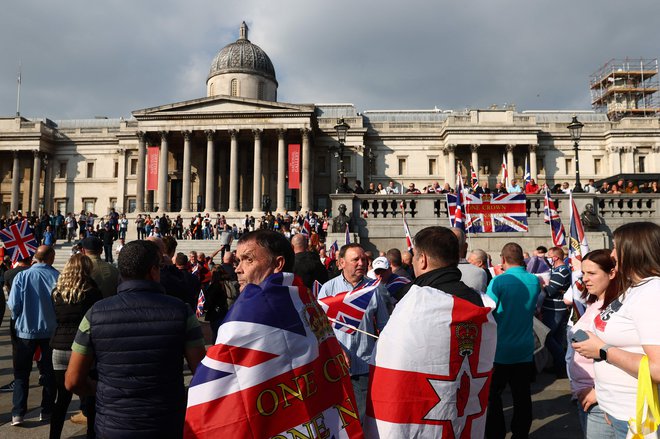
223,106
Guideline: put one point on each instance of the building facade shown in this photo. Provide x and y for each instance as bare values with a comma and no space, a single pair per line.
228,151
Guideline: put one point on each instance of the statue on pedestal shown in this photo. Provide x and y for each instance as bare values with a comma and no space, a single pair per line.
590,219
339,222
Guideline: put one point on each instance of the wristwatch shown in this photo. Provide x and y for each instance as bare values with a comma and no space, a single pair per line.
603,352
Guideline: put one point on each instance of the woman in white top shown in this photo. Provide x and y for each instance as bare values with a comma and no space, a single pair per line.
629,327
598,271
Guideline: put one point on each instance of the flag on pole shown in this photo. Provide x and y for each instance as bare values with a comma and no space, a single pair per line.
306,228
277,370
505,172
459,180
19,241
201,300
578,241
473,177
350,306
348,235
334,249
487,213
406,230
528,174
316,287
550,216
430,371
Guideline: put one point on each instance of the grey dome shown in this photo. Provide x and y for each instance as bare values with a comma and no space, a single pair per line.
242,57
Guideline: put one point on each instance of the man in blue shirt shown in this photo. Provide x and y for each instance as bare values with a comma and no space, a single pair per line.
515,293
33,312
358,346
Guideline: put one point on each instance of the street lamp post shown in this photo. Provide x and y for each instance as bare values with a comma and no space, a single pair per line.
342,129
575,128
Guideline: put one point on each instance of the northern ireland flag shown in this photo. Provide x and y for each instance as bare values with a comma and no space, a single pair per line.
430,371
18,240
276,371
347,309
486,213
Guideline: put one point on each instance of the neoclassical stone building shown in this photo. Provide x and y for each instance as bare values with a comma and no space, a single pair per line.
228,151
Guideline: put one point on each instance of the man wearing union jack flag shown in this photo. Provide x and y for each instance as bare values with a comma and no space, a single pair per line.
392,282
358,345
276,369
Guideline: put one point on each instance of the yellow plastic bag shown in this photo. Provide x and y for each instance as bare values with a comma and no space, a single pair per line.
647,415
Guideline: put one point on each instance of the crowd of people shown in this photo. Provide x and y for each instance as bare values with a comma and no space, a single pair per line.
116,333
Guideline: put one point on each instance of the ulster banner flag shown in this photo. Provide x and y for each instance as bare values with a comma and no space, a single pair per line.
276,371
430,371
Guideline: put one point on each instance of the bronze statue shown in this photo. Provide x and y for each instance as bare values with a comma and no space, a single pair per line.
340,221
590,220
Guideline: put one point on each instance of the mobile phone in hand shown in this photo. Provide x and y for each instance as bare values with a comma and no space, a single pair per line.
579,336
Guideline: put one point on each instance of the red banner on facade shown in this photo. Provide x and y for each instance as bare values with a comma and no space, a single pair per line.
294,166
153,152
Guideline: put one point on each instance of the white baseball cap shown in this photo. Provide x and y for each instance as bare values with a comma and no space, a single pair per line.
380,263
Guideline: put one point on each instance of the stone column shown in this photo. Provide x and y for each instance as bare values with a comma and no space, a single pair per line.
475,160
209,203
233,171
256,182
451,164
36,177
533,171
359,165
281,170
306,192
141,171
509,162
654,159
121,180
15,182
186,190
614,159
629,162
162,172
48,183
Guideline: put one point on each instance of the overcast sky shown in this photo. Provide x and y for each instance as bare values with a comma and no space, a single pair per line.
82,59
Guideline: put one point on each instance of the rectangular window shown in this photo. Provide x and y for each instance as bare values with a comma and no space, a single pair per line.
90,170
402,166
113,203
61,206
62,170
321,164
641,164
89,204
348,164
134,166
597,166
569,166
115,172
131,204
433,169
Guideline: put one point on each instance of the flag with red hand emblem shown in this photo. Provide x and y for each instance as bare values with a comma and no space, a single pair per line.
430,372
19,241
276,371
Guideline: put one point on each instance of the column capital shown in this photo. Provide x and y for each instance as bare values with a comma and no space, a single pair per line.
257,132
450,147
210,134
614,149
655,148
186,134
305,132
234,134
359,148
510,147
14,153
475,147
36,153
163,135
121,151
281,132
533,147
141,135
629,148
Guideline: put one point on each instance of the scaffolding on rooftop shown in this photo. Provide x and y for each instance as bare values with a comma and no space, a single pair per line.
625,88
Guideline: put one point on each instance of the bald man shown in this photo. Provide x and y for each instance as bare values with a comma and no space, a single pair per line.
33,314
472,276
307,264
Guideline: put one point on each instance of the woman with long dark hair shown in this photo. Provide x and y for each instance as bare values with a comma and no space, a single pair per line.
629,327
598,273
74,293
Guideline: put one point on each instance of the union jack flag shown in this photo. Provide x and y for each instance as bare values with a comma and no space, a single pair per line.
306,228
550,216
487,213
19,241
528,173
334,249
473,178
395,283
316,287
578,241
201,300
275,371
350,306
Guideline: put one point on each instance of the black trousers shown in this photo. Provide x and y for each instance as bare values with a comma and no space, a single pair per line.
519,377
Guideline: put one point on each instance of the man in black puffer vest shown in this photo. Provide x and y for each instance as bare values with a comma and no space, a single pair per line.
137,339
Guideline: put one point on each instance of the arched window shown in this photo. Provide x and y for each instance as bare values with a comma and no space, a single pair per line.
261,90
234,87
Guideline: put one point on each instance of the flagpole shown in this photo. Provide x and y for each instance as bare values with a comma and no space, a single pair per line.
352,327
18,92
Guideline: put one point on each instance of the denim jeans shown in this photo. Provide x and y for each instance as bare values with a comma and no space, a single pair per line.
360,386
593,423
23,366
556,341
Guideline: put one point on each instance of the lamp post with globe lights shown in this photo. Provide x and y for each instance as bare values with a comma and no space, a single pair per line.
575,128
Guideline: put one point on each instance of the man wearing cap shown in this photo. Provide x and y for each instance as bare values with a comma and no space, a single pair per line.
393,283
104,274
